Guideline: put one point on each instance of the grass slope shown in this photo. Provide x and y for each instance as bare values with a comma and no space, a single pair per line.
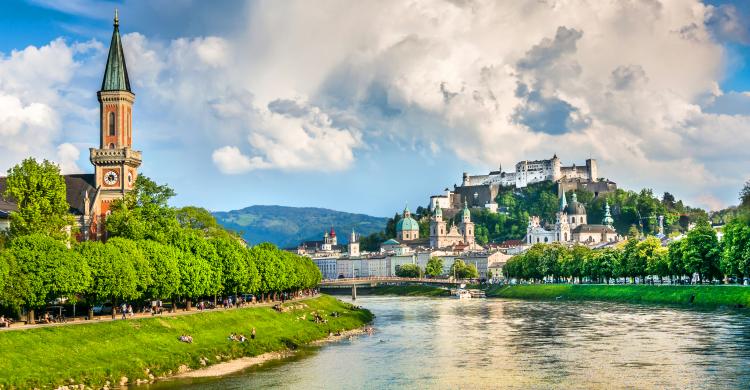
94,353
288,226
415,290
707,296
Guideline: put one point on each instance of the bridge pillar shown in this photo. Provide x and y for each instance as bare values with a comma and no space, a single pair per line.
354,292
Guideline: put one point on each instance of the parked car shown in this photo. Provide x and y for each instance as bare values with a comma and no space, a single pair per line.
104,308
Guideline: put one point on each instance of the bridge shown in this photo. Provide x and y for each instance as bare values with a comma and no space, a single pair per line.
375,280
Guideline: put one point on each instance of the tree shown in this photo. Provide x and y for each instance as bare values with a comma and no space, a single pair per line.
575,264
676,259
735,258
114,277
200,219
701,252
143,213
238,268
650,253
132,252
165,273
464,271
40,193
553,256
45,269
434,266
745,195
407,271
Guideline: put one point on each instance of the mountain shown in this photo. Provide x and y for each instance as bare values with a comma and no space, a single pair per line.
288,226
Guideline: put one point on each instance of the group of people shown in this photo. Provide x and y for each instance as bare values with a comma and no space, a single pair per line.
186,338
241,337
126,310
5,322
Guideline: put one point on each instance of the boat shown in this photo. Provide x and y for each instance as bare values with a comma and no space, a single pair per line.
460,294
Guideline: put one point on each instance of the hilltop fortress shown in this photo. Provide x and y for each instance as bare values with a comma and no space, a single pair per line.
481,190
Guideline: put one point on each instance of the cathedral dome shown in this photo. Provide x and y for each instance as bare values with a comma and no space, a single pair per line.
407,224
575,208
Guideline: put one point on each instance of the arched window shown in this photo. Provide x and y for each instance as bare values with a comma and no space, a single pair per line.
545,239
111,146
111,123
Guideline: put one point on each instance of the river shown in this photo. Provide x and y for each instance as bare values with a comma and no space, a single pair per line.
491,343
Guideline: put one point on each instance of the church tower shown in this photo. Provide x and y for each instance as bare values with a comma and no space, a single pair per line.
353,245
467,227
115,162
437,228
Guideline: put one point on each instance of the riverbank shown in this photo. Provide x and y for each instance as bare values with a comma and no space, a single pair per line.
133,351
703,296
409,290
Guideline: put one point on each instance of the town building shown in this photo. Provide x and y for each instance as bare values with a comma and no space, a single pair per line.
115,162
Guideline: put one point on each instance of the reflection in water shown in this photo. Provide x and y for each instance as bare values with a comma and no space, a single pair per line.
444,343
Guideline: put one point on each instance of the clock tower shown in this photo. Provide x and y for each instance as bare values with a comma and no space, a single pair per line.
115,162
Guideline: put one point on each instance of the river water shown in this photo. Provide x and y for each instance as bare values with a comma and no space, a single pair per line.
444,343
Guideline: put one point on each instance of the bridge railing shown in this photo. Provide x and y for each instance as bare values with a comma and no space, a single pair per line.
390,279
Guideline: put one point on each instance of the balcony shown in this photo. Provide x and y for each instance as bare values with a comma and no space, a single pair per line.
115,156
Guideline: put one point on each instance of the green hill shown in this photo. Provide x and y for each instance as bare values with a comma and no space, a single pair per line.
288,226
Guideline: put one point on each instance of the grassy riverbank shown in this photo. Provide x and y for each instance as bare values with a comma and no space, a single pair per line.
409,290
95,353
706,296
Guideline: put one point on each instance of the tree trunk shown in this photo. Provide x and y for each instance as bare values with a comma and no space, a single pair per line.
30,317
188,304
91,313
114,309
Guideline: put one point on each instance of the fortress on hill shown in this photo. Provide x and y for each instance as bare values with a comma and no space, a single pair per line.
481,190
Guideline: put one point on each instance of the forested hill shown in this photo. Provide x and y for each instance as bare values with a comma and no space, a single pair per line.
288,226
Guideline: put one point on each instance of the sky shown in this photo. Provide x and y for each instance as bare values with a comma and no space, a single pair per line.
366,106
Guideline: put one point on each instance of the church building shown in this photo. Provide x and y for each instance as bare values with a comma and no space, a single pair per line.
442,236
115,162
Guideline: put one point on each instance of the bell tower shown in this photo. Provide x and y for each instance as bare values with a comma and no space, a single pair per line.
115,162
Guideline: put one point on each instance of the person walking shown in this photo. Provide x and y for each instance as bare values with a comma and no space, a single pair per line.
124,310
252,334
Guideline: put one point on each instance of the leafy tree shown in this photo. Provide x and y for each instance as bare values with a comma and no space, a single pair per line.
701,252
735,258
200,219
45,269
434,266
676,259
651,258
464,271
239,271
408,271
574,264
144,213
196,277
39,191
114,276
745,195
165,273
553,256
132,252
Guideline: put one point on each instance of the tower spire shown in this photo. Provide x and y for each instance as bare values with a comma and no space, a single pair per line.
116,73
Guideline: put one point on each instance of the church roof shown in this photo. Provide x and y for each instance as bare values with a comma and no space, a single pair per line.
407,224
76,186
390,242
593,229
116,73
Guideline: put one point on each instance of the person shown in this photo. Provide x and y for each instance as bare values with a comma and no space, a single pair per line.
124,310
242,338
252,335
232,337
47,319
3,324
130,311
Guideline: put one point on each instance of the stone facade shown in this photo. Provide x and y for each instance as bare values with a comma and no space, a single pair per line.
442,236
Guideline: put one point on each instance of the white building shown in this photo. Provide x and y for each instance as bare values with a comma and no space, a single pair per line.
327,266
528,172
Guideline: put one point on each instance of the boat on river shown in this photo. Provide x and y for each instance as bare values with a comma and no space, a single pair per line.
460,294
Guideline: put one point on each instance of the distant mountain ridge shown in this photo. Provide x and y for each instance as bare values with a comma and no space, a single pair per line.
288,226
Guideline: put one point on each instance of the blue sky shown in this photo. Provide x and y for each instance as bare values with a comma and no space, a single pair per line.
365,107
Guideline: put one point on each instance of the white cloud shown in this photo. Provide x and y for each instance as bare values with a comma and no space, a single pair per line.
67,157
231,161
633,84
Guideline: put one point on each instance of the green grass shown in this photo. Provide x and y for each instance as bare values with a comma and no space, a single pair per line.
706,296
94,353
406,290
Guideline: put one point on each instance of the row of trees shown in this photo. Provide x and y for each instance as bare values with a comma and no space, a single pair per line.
153,251
698,254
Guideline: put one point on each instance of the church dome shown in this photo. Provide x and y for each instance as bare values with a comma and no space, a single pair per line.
575,207
407,224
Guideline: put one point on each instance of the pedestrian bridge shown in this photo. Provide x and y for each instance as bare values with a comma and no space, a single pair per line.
375,280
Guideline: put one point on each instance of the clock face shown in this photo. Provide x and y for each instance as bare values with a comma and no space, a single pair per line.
110,178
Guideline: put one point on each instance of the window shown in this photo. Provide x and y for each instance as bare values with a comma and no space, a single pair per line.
111,123
545,239
111,146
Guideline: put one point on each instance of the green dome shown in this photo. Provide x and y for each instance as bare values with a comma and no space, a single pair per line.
406,224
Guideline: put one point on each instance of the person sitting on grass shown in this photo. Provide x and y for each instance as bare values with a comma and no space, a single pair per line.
186,339
242,338
232,337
